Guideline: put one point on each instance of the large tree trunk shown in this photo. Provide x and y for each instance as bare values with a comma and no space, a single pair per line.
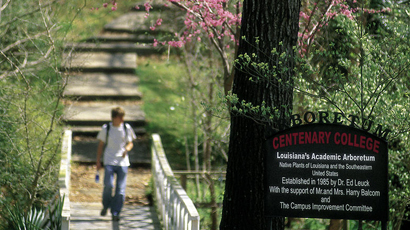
275,24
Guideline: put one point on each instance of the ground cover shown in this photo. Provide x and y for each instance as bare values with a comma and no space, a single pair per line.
82,19
85,189
163,88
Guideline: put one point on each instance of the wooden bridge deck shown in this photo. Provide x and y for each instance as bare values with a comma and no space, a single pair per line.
109,63
86,216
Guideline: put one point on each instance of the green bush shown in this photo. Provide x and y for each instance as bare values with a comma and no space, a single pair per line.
45,218
31,87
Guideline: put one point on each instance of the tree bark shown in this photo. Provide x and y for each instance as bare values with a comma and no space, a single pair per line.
336,224
275,24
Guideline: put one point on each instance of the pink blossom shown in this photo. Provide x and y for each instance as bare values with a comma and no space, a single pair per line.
155,44
105,5
159,21
215,20
147,6
177,44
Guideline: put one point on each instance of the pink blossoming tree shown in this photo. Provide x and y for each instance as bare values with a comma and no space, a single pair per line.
219,20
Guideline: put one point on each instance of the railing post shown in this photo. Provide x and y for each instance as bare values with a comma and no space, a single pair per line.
183,180
64,178
176,209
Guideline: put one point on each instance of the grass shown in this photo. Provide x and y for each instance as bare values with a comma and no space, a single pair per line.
163,88
81,19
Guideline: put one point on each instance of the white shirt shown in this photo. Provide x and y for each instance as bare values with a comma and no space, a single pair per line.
116,144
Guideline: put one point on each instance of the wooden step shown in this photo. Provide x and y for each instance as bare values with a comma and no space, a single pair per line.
100,62
135,22
109,37
102,86
99,113
140,49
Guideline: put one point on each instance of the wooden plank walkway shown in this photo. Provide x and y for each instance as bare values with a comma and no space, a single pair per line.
86,216
102,77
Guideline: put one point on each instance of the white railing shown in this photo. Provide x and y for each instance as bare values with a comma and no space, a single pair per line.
64,178
175,208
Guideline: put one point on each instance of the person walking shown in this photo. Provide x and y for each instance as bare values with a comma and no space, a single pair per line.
115,141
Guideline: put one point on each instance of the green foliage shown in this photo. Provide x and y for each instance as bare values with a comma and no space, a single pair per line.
355,67
48,218
268,72
365,71
165,106
179,107
271,74
30,157
31,86
18,219
81,19
203,200
260,113
311,224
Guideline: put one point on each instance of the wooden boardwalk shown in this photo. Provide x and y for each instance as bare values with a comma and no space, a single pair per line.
102,76
86,216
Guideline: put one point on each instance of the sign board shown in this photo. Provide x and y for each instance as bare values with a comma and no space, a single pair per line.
326,171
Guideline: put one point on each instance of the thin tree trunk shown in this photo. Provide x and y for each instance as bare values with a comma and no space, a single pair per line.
187,155
194,106
275,24
335,224
196,152
207,157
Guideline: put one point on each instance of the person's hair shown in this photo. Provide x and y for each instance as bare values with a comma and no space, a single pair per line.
117,112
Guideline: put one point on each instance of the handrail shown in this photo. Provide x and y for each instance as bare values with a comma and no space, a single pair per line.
64,178
176,209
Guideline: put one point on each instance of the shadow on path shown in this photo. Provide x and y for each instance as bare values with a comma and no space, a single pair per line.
86,216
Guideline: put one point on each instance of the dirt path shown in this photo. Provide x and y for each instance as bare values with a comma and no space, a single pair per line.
85,189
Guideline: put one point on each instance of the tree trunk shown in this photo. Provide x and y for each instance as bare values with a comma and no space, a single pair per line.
336,224
194,106
275,24
208,159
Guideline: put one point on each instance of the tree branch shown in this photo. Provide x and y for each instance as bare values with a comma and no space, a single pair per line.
26,14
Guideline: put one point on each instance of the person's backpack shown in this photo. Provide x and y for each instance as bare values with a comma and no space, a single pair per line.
108,130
